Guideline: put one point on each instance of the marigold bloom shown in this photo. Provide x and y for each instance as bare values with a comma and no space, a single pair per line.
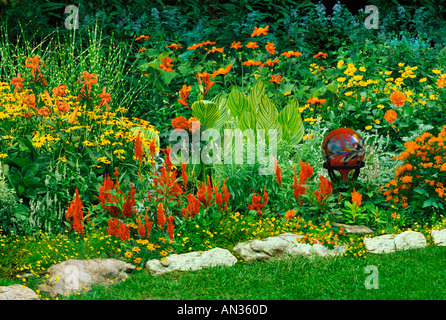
259,31
390,116
270,48
398,98
221,71
193,124
166,64
441,82
179,123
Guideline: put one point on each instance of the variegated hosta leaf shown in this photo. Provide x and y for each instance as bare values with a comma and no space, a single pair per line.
206,111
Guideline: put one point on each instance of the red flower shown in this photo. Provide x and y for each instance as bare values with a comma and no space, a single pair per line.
112,226
141,229
278,172
123,231
74,214
325,189
170,227
166,64
160,215
179,123
139,152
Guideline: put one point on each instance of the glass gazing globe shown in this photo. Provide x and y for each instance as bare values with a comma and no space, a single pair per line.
343,147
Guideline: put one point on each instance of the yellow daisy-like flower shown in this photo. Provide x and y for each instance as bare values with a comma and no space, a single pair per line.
3,155
368,127
104,160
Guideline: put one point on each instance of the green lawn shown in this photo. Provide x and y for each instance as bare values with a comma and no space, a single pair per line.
413,274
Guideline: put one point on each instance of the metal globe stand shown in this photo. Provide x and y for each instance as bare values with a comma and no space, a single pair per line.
357,167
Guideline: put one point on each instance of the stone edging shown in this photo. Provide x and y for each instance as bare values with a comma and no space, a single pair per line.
74,274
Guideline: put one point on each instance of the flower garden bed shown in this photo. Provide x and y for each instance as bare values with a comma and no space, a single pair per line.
81,179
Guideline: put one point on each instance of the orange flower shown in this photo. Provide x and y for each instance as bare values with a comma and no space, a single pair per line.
152,148
270,48
251,63
290,214
214,49
170,227
160,215
193,124
184,95
139,152
236,45
356,197
148,225
184,174
255,202
206,79
105,98
30,100
166,64
276,79
221,71
34,64
441,82
226,194
325,188
291,54
320,54
74,214
142,49
252,45
175,46
180,123
278,171
259,31
315,100
123,231
390,116
398,98
269,63
17,82
59,90
63,106
142,37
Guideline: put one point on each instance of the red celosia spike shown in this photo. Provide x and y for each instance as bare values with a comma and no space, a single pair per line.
160,215
170,227
141,229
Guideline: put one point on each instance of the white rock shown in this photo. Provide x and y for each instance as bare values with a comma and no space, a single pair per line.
380,244
410,240
80,275
191,261
439,237
17,292
281,246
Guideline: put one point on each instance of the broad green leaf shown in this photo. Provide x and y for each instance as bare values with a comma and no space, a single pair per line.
206,111
257,91
221,102
237,103
267,112
247,121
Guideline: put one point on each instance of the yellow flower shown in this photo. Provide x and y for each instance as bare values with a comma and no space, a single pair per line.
3,155
368,127
348,94
380,106
436,71
341,79
340,63
401,64
128,254
362,69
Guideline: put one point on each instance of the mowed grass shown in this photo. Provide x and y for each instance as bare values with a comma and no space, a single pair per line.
407,275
